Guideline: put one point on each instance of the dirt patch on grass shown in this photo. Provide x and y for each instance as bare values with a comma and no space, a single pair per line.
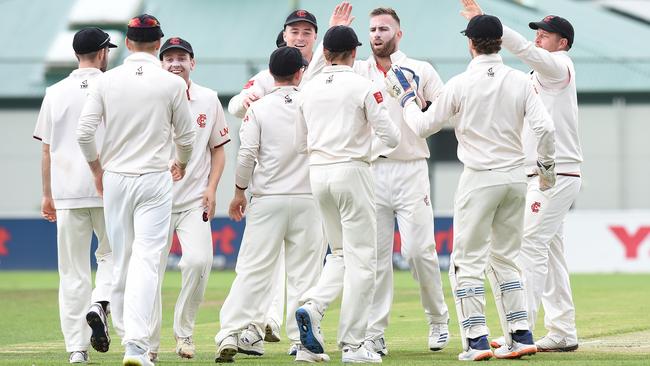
633,342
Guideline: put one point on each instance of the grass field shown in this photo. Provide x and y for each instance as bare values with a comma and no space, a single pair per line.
613,316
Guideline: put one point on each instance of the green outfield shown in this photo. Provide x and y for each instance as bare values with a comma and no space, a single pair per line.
613,315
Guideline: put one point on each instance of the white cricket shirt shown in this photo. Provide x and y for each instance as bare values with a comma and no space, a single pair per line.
555,78
142,105
72,182
338,113
268,163
211,132
411,146
490,100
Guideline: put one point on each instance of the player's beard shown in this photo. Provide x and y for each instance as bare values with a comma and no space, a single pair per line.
388,48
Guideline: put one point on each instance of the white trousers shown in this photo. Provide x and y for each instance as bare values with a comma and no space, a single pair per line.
270,221
74,233
402,192
275,313
345,198
138,212
488,223
195,237
542,256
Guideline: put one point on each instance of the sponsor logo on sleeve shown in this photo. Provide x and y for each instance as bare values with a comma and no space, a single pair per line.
224,132
378,97
535,207
249,84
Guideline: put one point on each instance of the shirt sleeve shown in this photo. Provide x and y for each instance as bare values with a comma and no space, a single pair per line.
43,129
542,125
249,137
379,119
90,118
443,107
553,72
432,83
184,132
300,140
219,135
235,106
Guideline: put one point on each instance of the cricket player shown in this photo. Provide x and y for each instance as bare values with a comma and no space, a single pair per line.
401,178
70,200
489,101
193,199
542,251
143,106
338,113
281,214
300,31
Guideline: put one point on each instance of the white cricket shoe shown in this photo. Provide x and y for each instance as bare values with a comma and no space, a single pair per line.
185,347
308,318
478,350
498,342
293,349
271,331
305,355
359,355
522,345
251,342
376,345
438,336
96,319
547,344
78,357
135,356
226,350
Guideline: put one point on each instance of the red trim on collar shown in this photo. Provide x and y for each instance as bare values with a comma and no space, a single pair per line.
187,91
381,69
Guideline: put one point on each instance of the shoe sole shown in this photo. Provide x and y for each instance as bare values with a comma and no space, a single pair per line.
226,355
269,336
494,344
99,338
560,349
250,352
184,355
518,354
132,362
307,337
360,361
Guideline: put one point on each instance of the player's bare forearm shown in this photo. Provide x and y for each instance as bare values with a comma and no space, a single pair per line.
48,211
98,173
217,164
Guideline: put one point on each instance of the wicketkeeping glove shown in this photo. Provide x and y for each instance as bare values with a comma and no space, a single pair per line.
546,176
399,87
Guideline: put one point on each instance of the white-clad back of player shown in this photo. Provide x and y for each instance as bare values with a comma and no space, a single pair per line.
282,219
70,199
142,106
193,200
488,103
338,114
402,191
542,252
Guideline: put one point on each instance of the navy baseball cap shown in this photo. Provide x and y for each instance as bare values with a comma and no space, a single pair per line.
176,42
340,38
90,40
279,42
144,28
555,24
485,27
301,15
286,61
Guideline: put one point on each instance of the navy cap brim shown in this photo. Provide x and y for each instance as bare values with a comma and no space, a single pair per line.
541,25
293,21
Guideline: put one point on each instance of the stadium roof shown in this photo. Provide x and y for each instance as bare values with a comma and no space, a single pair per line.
232,39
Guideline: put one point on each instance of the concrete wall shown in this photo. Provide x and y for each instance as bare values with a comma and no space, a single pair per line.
614,137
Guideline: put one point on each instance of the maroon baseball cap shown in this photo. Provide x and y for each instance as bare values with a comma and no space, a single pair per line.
555,24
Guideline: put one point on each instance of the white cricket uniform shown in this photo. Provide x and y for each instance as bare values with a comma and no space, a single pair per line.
262,84
490,100
142,105
194,234
78,208
402,191
338,113
281,209
542,252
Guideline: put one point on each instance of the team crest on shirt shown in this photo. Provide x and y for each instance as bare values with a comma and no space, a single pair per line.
200,120
490,72
378,97
329,79
138,72
84,84
535,207
287,99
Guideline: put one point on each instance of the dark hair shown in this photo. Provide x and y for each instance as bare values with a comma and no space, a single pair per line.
486,46
331,55
385,11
